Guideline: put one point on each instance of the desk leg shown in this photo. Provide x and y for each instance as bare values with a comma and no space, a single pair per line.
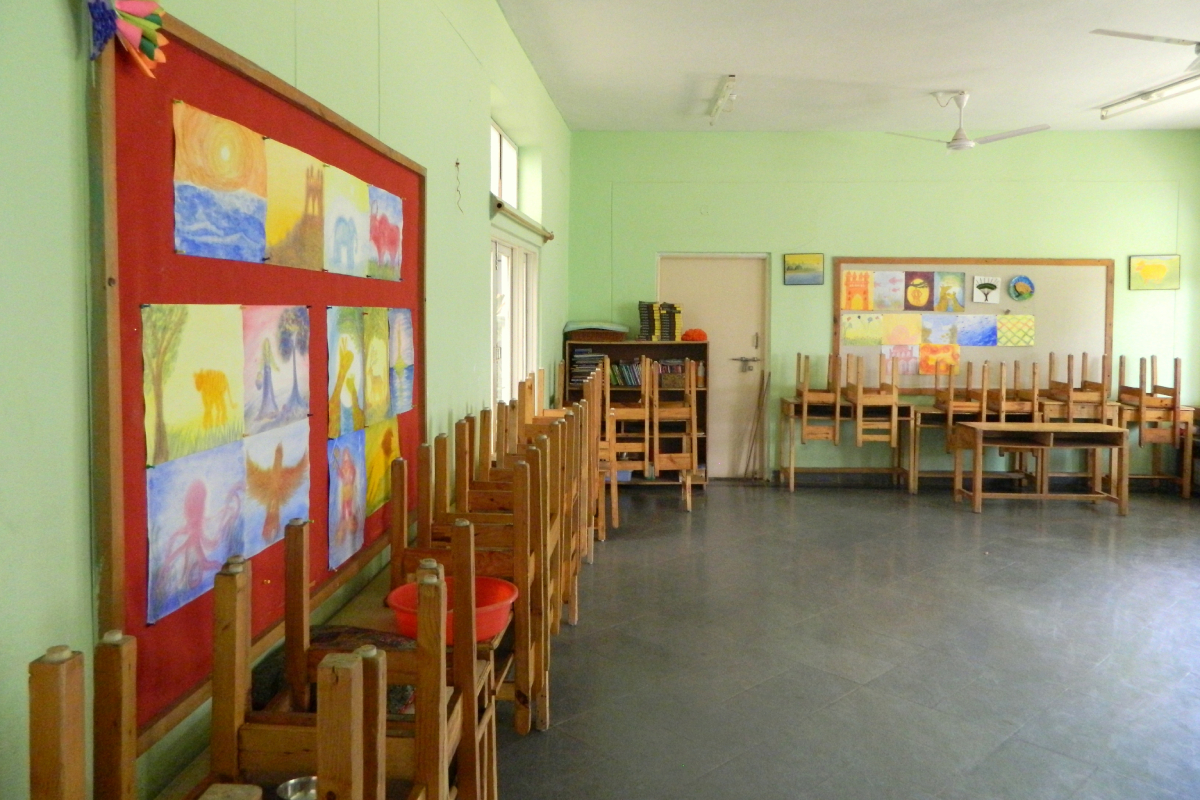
914,460
1185,472
791,452
977,476
1093,461
958,474
1123,456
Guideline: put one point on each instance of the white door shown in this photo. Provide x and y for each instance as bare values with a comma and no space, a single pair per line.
726,296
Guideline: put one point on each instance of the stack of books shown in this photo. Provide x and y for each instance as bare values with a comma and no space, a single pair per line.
625,373
583,362
660,322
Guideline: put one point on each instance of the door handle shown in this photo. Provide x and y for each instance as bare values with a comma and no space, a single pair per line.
747,362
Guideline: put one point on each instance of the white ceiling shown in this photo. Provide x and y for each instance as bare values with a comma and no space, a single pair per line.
855,65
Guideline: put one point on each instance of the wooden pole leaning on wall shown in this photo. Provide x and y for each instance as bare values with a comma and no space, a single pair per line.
114,718
57,760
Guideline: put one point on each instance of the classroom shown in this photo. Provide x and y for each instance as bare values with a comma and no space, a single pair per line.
809,389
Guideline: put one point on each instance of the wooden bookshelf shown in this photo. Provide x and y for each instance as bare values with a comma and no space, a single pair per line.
632,349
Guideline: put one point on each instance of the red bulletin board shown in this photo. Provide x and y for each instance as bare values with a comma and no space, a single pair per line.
175,653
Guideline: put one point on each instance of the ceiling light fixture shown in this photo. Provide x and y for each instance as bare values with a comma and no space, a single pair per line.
724,97
1167,91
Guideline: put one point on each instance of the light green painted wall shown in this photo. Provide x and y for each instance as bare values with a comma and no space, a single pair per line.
425,76
1053,195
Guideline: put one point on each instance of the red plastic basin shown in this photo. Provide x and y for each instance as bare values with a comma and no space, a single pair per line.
493,601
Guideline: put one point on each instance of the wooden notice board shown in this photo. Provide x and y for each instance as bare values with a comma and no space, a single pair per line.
137,265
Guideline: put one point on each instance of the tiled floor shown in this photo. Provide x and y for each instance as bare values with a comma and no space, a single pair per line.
852,644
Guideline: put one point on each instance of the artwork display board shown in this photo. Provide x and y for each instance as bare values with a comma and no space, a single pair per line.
952,311
241,221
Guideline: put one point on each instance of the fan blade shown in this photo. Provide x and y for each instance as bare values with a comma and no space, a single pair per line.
1010,134
922,138
1145,38
1194,66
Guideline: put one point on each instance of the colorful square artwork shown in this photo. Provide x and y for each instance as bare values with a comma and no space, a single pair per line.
889,290
220,187
402,356
277,484
862,329
918,291
948,289
858,290
908,357
275,366
375,351
901,329
347,223
387,234
803,269
191,379
383,447
346,396
986,289
295,207
976,330
939,329
1153,272
935,357
1015,330
193,523
347,496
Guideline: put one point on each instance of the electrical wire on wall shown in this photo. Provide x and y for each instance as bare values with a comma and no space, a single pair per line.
458,184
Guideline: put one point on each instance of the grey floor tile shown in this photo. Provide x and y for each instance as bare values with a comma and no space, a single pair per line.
1021,771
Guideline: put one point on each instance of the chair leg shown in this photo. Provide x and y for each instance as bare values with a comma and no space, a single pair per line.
687,489
613,497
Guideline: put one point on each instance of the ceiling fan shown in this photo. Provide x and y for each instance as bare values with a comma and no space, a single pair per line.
960,140
1193,67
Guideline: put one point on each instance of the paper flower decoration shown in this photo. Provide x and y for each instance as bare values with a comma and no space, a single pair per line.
135,25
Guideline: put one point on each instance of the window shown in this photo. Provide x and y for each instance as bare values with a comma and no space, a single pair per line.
515,317
504,167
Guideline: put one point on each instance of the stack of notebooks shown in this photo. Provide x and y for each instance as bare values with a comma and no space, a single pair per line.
660,322
583,361
625,373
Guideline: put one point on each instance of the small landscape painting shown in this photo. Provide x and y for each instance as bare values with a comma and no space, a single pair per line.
803,269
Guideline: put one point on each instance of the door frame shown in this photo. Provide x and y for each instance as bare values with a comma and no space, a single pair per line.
766,258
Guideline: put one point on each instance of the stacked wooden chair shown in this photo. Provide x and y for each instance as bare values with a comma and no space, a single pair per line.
966,403
1015,401
875,410
631,430
1087,401
1160,417
673,419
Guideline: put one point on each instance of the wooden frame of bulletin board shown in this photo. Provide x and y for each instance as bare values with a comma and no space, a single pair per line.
136,265
1075,310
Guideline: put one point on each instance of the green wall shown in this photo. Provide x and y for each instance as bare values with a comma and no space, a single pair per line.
1053,195
425,76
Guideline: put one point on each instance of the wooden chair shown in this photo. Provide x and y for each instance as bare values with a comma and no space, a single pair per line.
875,411
1014,400
1160,417
969,402
631,421
673,419
818,409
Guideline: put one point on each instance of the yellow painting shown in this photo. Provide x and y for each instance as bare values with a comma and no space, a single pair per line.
862,329
858,290
383,447
901,329
192,378
939,359
1153,272
295,207
375,352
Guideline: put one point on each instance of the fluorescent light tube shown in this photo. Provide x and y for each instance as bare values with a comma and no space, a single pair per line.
1149,97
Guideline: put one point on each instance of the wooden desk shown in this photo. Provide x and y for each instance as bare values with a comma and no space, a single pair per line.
1041,438
790,412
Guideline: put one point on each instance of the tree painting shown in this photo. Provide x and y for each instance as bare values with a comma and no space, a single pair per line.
276,366
162,328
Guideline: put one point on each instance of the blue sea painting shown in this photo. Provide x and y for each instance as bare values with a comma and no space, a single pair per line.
401,356
194,523
277,484
938,329
977,330
230,225
347,495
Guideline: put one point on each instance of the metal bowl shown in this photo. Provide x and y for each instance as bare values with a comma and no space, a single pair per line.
298,789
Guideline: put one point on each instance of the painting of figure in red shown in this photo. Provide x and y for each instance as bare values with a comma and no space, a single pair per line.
347,495
387,235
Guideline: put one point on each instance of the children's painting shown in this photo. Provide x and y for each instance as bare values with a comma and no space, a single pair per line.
1015,330
295,207
939,329
275,375
862,329
387,234
194,523
375,350
277,484
220,187
402,356
858,290
345,333
347,223
889,290
1153,272
986,289
803,269
976,330
908,357
901,329
383,447
347,495
938,358
191,378
918,291
949,289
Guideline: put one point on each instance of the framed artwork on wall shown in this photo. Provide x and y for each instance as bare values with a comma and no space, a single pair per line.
803,269
1148,273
